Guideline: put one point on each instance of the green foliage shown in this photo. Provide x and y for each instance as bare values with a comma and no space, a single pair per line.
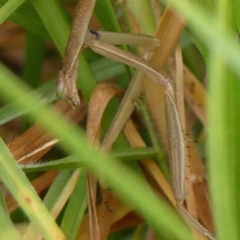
214,30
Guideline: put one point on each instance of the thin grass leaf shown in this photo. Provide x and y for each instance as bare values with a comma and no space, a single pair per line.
2,202
27,17
75,209
106,15
224,120
7,229
143,14
73,162
55,20
164,166
106,68
8,8
56,187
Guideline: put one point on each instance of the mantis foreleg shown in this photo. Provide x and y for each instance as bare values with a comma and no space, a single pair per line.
66,85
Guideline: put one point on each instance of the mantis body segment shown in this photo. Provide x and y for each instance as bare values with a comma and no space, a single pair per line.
101,43
66,84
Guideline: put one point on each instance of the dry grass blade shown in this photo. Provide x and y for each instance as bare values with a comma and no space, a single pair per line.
26,151
195,95
99,223
100,98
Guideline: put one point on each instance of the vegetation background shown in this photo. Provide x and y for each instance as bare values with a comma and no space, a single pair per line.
199,43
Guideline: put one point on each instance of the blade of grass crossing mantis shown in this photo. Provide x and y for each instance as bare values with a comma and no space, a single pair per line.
145,201
145,65
9,112
223,131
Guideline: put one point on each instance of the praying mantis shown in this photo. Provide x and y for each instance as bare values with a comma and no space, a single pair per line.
102,43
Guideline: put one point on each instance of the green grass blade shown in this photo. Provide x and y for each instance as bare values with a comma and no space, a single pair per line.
27,17
9,111
7,229
71,162
76,207
8,8
55,21
34,57
224,88
105,68
3,203
143,15
106,15
86,81
226,43
56,187
22,190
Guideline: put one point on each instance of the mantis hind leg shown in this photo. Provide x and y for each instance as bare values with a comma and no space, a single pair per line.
176,148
